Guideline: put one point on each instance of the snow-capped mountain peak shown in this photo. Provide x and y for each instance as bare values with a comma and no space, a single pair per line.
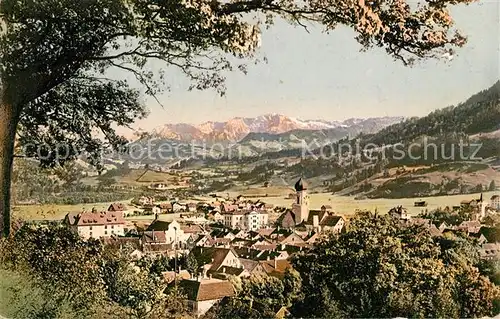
237,128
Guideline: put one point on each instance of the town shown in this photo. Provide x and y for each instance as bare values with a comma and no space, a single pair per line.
209,159
236,237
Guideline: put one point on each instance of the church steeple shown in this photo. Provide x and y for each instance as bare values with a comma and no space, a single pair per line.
301,185
301,205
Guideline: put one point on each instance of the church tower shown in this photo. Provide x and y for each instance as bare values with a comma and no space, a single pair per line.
482,207
301,204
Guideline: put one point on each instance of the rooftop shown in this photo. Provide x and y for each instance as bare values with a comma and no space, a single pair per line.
301,185
206,289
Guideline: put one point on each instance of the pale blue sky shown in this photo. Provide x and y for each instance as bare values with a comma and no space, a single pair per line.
325,76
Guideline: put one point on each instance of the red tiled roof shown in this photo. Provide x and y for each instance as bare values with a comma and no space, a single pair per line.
265,247
277,267
219,256
191,229
157,237
165,206
207,289
100,218
330,221
169,276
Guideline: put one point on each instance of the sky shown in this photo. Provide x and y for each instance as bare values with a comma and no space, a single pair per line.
325,76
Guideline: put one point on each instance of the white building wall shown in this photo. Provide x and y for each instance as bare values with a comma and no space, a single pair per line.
99,231
249,221
201,307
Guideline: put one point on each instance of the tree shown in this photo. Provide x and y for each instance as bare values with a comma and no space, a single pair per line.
381,268
85,278
55,56
492,186
192,265
259,297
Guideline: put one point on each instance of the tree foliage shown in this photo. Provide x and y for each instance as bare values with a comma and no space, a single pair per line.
85,278
382,269
55,58
259,297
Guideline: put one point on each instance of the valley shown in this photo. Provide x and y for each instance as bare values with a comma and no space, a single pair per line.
363,164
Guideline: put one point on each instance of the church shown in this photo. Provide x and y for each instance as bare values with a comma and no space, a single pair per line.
301,217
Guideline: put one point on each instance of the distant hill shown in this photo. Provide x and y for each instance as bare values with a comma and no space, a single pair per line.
479,114
476,118
474,124
257,142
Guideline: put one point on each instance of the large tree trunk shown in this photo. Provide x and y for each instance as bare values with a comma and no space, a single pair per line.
9,118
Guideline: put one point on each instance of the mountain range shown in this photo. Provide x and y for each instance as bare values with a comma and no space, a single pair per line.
267,127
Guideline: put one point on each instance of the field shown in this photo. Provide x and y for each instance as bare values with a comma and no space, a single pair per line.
347,205
262,192
344,205
54,212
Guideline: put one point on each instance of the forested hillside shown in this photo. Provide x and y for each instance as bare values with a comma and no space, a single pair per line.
480,113
461,134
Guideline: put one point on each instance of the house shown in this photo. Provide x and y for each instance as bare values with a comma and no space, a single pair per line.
143,201
253,267
264,232
481,239
204,241
226,207
223,233
154,210
286,220
495,202
203,293
469,203
172,230
469,226
492,234
333,224
165,208
247,220
170,276
276,268
96,224
155,242
490,251
117,207
192,207
192,229
177,207
293,239
215,216
398,213
219,262
158,186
